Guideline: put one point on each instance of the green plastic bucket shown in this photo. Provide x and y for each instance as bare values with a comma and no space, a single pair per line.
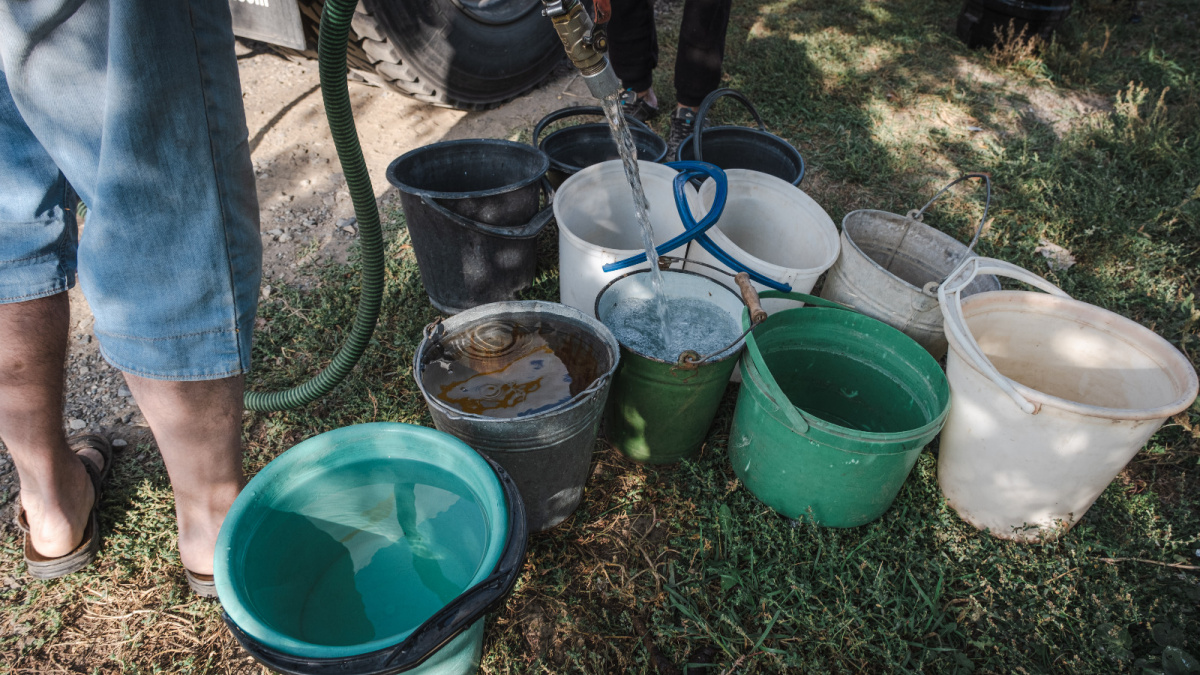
659,412
370,549
834,409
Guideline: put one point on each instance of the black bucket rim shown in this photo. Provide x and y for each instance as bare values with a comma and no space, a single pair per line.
406,188
438,630
596,127
533,307
733,131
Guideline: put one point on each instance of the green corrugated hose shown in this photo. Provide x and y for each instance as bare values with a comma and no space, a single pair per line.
331,48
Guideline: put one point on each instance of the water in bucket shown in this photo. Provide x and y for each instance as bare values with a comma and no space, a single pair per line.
362,528
507,368
624,140
695,324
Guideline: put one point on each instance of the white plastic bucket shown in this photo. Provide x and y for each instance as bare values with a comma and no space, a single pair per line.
597,225
772,227
1050,397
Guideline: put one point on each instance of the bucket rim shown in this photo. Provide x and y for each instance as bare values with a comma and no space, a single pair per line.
496,142
525,307
813,421
611,166
596,127
493,501
829,236
1142,338
845,234
733,351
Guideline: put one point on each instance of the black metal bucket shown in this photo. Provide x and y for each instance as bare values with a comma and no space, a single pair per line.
472,208
982,22
577,147
733,147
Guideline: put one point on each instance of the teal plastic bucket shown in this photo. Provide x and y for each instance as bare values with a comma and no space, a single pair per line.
370,549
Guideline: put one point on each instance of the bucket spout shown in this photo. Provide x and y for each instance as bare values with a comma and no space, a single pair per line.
585,42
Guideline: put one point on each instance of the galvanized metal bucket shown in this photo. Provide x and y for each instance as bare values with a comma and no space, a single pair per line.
660,411
546,453
891,266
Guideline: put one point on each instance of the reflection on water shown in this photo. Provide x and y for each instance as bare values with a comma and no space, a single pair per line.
367,553
508,369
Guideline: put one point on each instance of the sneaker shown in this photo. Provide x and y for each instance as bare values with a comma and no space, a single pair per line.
635,107
682,121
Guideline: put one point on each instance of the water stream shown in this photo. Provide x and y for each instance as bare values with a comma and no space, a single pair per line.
625,146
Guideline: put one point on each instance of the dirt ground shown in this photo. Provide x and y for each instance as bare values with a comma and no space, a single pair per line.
306,212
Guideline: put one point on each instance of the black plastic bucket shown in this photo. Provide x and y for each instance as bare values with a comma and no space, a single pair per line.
733,147
472,208
982,21
577,147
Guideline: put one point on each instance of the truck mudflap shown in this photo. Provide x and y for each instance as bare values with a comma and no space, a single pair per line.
273,21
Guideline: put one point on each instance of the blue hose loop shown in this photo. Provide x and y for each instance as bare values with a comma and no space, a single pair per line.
691,228
694,230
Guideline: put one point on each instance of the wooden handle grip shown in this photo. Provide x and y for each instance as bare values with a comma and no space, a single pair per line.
750,297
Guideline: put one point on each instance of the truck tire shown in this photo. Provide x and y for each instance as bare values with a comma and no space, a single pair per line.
465,54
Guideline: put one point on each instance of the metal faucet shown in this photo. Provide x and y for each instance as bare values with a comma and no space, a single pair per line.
585,42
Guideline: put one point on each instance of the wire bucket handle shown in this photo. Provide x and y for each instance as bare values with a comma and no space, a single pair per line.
918,214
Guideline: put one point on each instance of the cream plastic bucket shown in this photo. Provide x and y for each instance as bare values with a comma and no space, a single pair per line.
772,227
597,225
1050,397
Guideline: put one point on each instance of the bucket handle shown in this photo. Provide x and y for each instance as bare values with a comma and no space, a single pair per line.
708,102
702,114
439,629
956,325
918,214
757,367
576,111
529,230
689,358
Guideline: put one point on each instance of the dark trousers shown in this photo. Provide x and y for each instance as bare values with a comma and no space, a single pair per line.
633,46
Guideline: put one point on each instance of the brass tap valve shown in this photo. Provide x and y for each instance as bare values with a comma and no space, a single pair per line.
585,44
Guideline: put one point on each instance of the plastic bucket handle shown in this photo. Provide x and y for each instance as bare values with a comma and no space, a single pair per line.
576,111
956,325
529,230
439,629
702,113
758,367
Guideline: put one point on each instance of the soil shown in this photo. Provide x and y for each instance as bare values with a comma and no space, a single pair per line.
306,214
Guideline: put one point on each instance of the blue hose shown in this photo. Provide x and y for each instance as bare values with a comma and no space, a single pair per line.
696,230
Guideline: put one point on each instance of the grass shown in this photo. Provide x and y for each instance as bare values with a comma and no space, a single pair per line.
1093,142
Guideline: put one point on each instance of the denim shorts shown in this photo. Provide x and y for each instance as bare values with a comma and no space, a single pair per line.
136,104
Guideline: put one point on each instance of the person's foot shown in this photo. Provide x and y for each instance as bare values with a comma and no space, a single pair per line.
640,106
682,122
62,536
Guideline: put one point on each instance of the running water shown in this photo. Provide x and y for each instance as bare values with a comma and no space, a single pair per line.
701,325
624,140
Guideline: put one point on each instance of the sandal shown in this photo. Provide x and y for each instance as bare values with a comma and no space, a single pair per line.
41,567
202,585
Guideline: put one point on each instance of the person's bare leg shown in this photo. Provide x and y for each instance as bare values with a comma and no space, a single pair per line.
198,426
55,490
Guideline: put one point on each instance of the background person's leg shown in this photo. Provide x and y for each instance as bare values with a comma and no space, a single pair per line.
633,43
701,50
198,426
